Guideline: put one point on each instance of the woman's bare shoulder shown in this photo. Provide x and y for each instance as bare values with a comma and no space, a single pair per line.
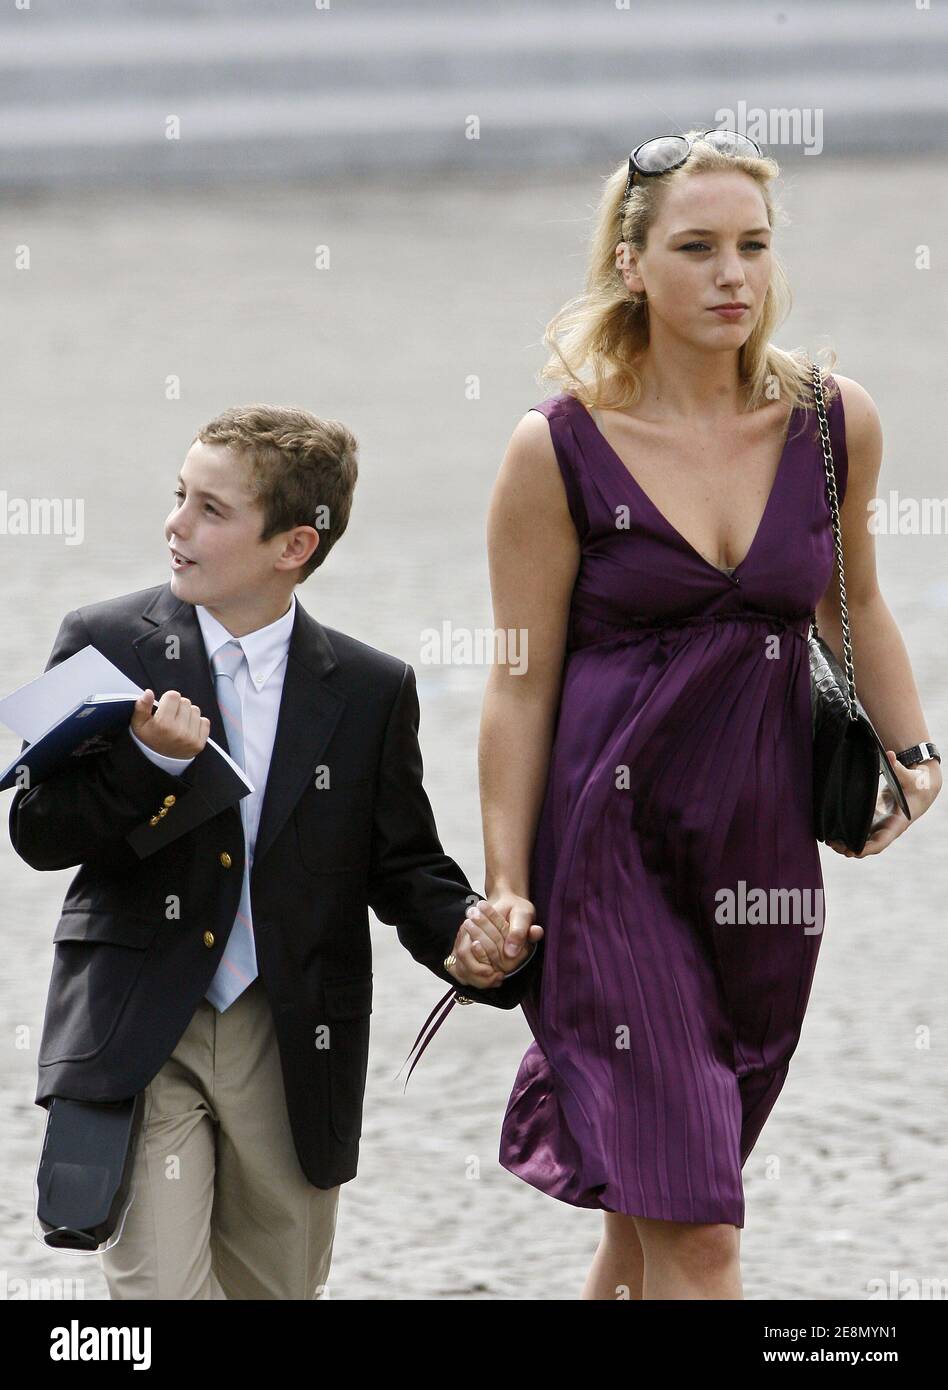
530,458
863,430
529,496
856,399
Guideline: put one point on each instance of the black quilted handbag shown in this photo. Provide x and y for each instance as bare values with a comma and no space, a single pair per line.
848,755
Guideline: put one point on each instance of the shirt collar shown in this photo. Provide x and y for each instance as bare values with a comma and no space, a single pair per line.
264,649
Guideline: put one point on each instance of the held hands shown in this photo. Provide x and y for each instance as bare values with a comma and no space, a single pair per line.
176,728
920,784
488,946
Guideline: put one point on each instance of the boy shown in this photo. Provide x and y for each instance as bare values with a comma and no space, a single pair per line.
222,962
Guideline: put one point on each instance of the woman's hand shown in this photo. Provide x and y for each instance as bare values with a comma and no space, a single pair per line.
481,948
921,785
522,928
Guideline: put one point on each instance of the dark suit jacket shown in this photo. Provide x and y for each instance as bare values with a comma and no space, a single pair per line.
147,915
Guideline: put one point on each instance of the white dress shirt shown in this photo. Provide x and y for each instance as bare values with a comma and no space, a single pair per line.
259,684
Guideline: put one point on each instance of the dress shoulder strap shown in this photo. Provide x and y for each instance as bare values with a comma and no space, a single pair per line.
559,413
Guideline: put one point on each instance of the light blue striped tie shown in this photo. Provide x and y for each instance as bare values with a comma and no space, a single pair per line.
238,966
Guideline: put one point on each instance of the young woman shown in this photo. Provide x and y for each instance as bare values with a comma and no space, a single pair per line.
661,531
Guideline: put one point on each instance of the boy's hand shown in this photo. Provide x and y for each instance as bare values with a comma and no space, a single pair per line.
479,947
176,728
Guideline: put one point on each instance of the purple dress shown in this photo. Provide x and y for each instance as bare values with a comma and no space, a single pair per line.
681,767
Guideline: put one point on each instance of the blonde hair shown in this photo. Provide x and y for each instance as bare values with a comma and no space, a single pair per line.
596,338
298,464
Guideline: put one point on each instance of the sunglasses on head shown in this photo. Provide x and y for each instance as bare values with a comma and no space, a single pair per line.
666,152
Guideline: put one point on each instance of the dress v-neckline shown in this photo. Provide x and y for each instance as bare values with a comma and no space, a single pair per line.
730,574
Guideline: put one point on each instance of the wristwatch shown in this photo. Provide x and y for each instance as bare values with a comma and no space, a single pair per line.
919,753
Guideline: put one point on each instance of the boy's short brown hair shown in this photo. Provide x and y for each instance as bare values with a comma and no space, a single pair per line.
302,469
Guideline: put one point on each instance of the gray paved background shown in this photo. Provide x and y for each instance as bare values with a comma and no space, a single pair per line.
435,278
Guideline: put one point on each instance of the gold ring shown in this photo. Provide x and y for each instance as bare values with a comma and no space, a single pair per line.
449,961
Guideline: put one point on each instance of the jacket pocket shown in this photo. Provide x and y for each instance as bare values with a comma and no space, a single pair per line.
81,924
97,959
334,827
348,1006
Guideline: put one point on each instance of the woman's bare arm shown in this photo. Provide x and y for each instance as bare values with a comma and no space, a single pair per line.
533,553
884,678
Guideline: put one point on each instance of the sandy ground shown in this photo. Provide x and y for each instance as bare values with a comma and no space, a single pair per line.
430,285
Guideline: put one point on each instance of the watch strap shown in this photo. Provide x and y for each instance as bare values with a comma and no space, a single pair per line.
918,753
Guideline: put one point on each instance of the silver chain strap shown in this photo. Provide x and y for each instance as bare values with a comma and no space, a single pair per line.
837,539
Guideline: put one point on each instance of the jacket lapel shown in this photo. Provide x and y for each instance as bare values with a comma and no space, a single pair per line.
309,712
174,656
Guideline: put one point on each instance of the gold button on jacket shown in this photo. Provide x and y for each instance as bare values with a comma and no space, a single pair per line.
208,938
226,859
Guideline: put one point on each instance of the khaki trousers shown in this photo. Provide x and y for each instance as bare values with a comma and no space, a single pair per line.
221,1207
